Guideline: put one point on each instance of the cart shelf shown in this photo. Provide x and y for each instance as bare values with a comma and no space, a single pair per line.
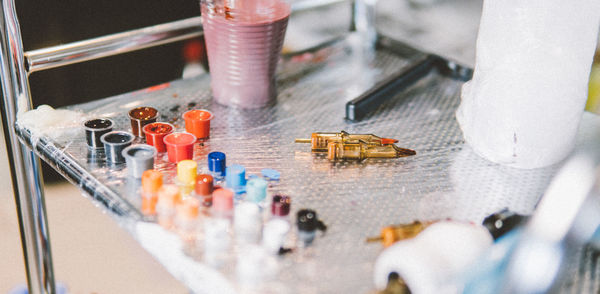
446,179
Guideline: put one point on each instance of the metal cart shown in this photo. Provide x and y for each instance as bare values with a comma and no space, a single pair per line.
445,180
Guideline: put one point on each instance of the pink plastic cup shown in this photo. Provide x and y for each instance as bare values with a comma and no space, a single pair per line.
180,146
243,44
197,122
156,132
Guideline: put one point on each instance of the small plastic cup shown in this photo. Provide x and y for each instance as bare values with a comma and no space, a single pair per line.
141,116
139,158
180,146
94,129
114,143
156,132
243,43
197,122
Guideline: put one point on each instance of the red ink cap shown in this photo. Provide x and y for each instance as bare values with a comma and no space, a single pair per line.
155,133
180,146
204,185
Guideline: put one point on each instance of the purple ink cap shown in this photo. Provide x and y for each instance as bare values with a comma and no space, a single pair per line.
281,205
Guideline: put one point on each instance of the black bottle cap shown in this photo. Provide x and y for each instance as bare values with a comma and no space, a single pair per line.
307,221
502,222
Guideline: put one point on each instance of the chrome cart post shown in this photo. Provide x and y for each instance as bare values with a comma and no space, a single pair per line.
363,21
24,164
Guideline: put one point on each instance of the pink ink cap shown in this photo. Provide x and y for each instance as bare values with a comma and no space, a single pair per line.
222,200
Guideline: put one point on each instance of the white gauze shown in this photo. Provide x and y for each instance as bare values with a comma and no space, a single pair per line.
523,105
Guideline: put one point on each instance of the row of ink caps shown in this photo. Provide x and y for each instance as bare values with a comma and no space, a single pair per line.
221,210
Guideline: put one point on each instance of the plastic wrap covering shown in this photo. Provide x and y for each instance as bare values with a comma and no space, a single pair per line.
446,179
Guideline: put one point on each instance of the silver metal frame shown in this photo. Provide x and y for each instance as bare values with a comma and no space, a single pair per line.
16,65
105,46
25,165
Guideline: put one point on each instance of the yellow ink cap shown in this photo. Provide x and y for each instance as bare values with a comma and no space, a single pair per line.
186,172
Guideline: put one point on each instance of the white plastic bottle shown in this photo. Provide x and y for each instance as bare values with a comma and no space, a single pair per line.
217,228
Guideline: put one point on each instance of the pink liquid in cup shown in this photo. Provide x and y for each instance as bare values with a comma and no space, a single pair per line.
180,146
243,46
